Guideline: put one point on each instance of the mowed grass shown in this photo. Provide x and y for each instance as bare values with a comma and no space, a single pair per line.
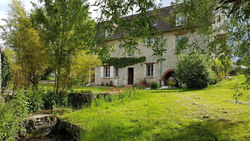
175,115
79,88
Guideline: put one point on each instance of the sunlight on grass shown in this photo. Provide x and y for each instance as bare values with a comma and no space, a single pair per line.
190,115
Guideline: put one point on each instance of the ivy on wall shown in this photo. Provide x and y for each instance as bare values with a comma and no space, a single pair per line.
124,61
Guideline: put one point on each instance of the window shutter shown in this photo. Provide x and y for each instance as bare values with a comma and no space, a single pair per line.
111,71
101,72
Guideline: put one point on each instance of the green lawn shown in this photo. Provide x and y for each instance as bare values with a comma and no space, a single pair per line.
79,88
179,115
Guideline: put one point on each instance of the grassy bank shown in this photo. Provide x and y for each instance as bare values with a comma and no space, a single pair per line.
208,114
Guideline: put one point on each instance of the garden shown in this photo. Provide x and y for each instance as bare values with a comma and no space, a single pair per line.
49,59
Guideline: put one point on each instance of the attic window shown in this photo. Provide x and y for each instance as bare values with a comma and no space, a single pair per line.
179,19
106,33
151,41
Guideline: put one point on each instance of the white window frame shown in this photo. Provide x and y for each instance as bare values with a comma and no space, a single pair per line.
150,70
179,19
150,41
107,33
116,72
179,38
107,73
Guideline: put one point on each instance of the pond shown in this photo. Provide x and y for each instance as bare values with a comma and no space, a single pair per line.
49,128
55,135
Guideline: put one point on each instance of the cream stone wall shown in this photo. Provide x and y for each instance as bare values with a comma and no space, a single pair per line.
140,69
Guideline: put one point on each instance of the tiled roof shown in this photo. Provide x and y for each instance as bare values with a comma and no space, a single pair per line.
159,22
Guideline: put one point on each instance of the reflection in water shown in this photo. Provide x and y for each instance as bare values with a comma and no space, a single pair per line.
56,135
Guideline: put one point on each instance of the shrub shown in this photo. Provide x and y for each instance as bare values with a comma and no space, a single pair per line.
78,100
154,85
142,84
194,69
52,99
171,83
110,83
34,99
11,117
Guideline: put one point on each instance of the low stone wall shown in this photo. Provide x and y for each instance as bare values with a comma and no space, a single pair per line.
48,127
78,100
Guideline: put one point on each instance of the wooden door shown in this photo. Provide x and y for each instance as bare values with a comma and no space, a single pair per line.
130,76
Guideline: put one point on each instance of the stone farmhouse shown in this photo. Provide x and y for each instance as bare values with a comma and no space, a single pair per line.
150,70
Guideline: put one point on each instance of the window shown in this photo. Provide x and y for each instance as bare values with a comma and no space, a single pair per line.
150,70
116,72
181,42
179,19
107,71
150,41
130,53
106,33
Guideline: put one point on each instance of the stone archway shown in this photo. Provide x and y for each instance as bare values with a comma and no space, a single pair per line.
167,74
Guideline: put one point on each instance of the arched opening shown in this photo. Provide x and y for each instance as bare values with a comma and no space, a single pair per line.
169,79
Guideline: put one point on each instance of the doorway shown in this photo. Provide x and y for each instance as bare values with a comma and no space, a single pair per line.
130,76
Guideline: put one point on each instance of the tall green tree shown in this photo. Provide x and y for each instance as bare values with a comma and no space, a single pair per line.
234,40
201,17
5,72
67,29
19,34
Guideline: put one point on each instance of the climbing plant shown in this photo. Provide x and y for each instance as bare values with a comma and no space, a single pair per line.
124,61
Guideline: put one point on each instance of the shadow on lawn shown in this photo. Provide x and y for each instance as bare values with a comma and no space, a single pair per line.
209,130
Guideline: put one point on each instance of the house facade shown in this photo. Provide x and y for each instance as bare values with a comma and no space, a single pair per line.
148,71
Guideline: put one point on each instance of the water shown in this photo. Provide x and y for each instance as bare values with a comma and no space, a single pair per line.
56,135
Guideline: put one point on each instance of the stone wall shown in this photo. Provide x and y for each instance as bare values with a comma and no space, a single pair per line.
140,69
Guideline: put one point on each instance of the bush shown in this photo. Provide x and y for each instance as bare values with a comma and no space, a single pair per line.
11,117
34,99
154,85
171,83
110,84
78,100
194,69
52,99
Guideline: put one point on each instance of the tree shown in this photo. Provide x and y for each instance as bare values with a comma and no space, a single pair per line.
83,66
118,19
29,49
67,29
203,18
17,79
5,71
194,69
235,14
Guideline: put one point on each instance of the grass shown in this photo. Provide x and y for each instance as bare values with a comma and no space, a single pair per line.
79,88
175,115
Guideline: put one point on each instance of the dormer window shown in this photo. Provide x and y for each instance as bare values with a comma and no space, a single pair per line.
150,41
130,53
179,19
181,42
107,33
